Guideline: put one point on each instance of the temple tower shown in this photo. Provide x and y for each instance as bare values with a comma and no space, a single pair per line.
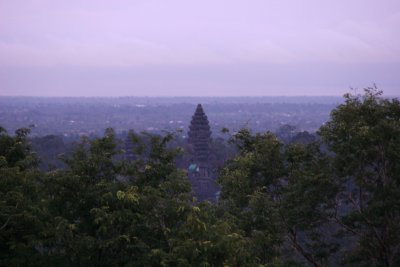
200,136
199,171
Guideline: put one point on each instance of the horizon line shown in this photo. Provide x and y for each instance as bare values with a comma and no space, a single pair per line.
166,96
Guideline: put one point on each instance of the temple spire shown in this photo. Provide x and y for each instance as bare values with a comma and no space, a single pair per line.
200,135
200,173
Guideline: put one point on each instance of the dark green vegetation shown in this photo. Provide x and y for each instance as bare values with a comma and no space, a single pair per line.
330,202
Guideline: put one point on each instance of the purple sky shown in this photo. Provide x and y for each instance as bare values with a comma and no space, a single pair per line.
190,47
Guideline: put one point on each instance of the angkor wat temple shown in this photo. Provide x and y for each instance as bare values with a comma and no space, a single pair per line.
199,159
200,174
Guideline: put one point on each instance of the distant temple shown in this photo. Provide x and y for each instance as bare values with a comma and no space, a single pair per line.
199,171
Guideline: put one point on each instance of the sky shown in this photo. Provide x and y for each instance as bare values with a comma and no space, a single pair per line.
198,48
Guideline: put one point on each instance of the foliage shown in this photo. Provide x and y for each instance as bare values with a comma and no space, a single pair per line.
364,133
281,196
102,210
20,209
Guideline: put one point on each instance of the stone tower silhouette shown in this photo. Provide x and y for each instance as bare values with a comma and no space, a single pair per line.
200,135
199,171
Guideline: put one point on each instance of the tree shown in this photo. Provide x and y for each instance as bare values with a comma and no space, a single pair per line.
364,134
20,201
282,196
106,211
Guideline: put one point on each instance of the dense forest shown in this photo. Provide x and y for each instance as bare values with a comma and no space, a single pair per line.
333,201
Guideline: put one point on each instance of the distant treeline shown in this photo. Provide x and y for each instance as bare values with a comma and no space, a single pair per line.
74,117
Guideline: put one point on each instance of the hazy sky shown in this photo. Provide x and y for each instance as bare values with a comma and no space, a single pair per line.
193,47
